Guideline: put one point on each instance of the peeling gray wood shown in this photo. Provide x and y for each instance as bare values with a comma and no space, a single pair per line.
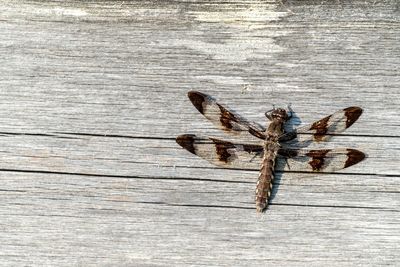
92,95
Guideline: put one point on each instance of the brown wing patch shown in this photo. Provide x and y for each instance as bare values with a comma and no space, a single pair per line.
223,118
197,100
223,153
317,158
289,153
221,148
252,148
354,157
226,118
321,128
327,160
256,133
187,142
352,114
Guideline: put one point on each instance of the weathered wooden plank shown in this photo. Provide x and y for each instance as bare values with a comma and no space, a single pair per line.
246,62
57,216
127,156
92,95
86,213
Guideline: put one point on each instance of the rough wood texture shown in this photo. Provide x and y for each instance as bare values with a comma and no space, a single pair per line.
92,95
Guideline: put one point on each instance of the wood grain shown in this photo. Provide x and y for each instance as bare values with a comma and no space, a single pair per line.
93,94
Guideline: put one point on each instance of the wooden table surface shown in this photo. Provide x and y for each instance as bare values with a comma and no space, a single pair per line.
93,94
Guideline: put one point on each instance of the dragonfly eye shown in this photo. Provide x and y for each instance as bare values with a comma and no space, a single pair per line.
280,113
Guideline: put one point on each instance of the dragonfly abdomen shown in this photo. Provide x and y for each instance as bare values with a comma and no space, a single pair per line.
265,178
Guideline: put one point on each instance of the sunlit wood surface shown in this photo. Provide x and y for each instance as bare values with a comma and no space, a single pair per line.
93,94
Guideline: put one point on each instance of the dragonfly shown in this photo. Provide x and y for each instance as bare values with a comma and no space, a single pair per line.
273,146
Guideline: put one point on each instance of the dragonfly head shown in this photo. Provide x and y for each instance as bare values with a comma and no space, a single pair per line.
278,114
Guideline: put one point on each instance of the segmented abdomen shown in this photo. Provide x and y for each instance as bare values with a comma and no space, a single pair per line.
264,183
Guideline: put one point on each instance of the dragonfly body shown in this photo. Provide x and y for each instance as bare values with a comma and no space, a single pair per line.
264,155
271,147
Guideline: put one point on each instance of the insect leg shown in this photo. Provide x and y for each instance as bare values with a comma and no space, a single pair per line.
268,115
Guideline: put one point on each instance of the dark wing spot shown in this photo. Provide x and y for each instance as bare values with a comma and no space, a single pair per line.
288,136
321,128
197,100
221,148
354,157
257,133
318,158
352,114
288,153
187,142
253,148
226,117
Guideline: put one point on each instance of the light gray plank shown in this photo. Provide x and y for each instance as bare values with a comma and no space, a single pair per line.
87,215
92,95
76,217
